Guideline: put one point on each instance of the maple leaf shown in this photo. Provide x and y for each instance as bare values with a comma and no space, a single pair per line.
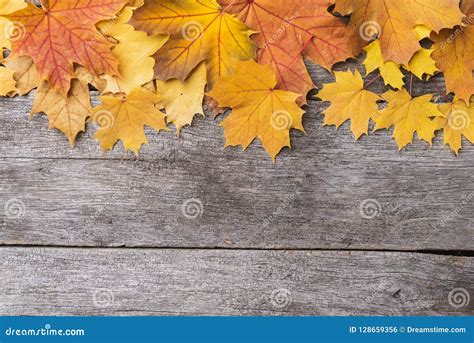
467,7
25,73
420,64
8,30
259,109
67,114
62,33
289,29
454,55
394,22
124,117
133,51
409,116
183,100
200,31
8,83
349,101
458,122
135,64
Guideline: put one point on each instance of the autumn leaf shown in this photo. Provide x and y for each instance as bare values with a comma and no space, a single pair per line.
420,64
8,30
24,73
458,121
7,82
200,32
63,33
289,29
133,51
124,117
408,116
259,109
454,55
135,64
85,76
349,101
183,100
394,22
389,70
67,114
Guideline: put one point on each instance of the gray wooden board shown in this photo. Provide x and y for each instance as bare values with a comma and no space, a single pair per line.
68,281
309,199
60,206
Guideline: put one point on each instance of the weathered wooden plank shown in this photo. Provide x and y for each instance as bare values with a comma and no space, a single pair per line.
57,281
310,199
114,203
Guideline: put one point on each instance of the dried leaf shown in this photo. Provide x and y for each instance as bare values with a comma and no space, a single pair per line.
259,109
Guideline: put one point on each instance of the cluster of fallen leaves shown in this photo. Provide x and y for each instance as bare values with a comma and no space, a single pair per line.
157,62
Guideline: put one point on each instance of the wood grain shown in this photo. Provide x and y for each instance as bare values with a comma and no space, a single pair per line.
297,226
310,199
117,203
58,281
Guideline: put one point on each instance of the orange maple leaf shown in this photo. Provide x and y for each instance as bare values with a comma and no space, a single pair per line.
200,31
61,33
289,29
394,22
454,55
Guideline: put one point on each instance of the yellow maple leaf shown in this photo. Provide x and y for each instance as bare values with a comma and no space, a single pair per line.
420,64
25,74
259,109
183,100
133,51
389,70
10,30
124,117
200,32
349,101
67,114
7,82
394,22
408,116
458,122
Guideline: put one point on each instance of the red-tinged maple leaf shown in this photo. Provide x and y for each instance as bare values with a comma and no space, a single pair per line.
61,33
290,29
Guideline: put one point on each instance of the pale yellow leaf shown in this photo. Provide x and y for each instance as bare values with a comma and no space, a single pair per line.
67,114
183,100
124,118
349,101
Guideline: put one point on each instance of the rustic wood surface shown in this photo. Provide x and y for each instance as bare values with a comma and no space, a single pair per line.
90,220
78,281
